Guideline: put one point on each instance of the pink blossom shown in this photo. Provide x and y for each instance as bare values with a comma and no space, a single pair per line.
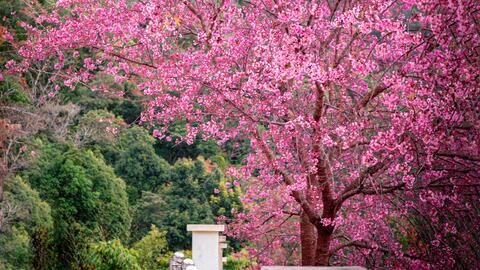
157,133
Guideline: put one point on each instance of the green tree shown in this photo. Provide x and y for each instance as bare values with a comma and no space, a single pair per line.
15,249
152,249
135,160
186,198
112,255
27,208
25,214
88,200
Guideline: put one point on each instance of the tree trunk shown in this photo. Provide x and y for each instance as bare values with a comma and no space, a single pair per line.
3,173
308,240
322,255
1,219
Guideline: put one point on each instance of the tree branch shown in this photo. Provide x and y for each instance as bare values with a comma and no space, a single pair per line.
383,189
365,245
371,95
118,55
297,195
458,155
319,102
356,187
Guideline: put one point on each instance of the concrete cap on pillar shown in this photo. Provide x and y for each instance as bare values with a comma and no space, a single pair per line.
205,228
188,262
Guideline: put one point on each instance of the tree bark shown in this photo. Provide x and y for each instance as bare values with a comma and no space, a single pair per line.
3,173
308,240
322,254
1,219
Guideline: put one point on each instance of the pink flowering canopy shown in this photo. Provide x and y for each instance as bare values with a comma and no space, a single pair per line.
362,116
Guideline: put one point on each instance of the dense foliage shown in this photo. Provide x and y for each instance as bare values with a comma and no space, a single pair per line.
26,216
113,255
188,199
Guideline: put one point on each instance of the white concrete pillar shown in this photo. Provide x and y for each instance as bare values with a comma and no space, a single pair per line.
206,249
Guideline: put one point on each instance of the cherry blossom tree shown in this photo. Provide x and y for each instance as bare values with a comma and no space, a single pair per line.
362,116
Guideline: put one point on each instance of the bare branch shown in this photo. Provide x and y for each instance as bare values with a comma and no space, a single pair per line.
287,178
356,187
371,95
365,245
458,155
